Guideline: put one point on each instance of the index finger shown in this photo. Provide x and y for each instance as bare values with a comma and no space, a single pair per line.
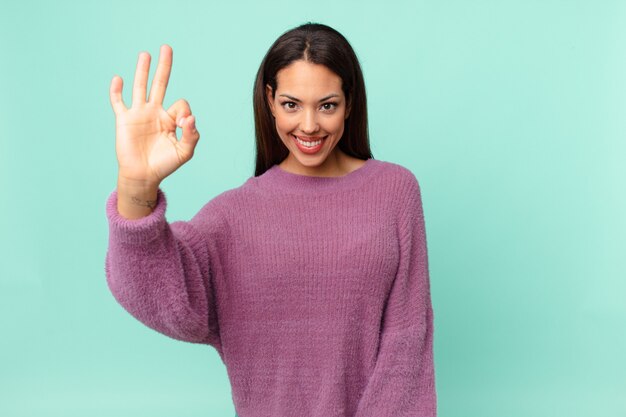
162,75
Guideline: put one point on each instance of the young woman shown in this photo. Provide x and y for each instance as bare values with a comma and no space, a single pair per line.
310,279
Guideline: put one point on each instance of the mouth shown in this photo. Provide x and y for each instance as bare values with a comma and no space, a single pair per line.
309,140
309,144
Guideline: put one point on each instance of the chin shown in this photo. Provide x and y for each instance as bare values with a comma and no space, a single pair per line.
311,162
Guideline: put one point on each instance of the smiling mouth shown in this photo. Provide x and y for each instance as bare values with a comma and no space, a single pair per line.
308,141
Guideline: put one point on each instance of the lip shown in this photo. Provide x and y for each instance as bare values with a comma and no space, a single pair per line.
309,151
310,138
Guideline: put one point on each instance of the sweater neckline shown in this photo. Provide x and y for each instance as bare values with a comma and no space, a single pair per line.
276,178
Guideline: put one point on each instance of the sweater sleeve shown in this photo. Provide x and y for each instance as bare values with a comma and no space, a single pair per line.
161,273
402,383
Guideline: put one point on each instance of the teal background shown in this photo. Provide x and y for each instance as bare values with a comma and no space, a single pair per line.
510,113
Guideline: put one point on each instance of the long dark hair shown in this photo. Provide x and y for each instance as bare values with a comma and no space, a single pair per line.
318,44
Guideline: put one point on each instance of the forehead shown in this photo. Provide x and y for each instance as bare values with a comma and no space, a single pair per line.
301,77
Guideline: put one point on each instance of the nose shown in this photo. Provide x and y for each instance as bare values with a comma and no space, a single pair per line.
308,124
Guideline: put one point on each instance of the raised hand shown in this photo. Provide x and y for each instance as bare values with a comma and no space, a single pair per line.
145,135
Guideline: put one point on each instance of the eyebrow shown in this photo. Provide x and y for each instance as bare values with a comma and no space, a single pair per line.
298,100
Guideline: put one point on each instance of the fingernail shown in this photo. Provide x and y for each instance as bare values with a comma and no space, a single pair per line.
180,121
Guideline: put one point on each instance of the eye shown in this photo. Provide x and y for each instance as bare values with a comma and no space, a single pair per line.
332,104
286,104
291,105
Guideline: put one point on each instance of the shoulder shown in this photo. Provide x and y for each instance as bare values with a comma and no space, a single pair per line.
404,191
229,202
223,201
400,178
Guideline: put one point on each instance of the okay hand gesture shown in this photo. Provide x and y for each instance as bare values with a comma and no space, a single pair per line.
145,134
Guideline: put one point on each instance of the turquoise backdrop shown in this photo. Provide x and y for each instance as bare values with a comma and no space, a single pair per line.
510,113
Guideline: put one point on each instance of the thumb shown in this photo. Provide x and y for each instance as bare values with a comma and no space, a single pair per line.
190,135
179,110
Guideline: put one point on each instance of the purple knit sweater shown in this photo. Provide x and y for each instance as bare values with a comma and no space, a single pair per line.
314,291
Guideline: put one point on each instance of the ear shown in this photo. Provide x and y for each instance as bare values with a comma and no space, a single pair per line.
270,100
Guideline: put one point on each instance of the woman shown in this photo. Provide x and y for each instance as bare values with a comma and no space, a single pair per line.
310,279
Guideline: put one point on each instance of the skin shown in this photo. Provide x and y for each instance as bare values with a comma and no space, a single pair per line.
148,149
145,136
309,117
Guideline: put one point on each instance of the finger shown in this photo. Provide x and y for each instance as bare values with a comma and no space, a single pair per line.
162,76
179,110
190,135
115,95
141,79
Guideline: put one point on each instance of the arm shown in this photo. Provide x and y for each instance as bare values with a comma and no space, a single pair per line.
403,381
161,273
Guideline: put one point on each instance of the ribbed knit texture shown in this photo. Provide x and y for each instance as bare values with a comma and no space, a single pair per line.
314,291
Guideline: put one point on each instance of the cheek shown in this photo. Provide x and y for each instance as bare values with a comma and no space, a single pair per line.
336,124
284,124
332,125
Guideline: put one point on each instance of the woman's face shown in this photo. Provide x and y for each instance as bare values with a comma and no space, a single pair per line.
309,106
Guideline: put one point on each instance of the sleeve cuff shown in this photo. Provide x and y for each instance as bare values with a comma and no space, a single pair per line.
136,231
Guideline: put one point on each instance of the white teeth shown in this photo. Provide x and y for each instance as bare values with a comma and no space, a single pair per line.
308,144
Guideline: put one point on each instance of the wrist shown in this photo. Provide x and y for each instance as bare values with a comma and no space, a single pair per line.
136,199
131,183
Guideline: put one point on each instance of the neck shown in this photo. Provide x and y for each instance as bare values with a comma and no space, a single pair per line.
335,165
